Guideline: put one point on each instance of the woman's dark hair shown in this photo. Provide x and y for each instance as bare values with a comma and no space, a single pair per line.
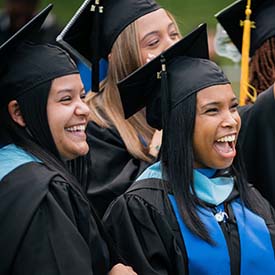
242,185
11,132
178,162
33,106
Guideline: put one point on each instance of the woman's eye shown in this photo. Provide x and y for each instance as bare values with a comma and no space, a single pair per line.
153,42
83,96
174,35
65,98
235,106
211,111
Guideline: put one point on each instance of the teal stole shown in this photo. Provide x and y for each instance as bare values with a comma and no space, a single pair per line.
257,254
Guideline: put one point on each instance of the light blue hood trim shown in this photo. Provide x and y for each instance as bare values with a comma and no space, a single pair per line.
12,157
211,190
153,171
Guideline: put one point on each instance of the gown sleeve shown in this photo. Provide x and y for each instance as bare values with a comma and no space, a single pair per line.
50,230
52,244
265,210
113,169
143,237
257,143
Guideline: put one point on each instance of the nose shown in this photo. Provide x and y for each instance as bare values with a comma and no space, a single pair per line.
82,109
231,120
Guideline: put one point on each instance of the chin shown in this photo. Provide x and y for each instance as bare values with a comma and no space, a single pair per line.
223,165
78,152
83,151
217,164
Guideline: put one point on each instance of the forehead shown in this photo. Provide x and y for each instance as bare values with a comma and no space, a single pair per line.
153,20
67,82
216,93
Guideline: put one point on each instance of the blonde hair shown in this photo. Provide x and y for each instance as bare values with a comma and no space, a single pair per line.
173,19
106,107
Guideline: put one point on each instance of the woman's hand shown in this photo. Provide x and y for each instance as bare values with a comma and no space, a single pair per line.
150,57
155,144
120,269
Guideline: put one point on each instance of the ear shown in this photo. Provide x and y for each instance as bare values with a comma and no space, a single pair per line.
109,57
15,113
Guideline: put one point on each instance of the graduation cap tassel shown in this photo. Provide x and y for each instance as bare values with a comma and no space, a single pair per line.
247,24
165,97
98,10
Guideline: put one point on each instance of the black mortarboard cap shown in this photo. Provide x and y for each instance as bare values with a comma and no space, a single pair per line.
144,79
188,70
28,64
263,13
93,29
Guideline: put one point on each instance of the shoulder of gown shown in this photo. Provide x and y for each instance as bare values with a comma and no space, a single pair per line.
256,141
140,223
46,225
113,169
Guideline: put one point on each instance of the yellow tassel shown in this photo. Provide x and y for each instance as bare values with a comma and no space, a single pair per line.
247,25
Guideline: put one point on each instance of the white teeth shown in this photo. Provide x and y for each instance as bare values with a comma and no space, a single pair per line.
76,128
227,139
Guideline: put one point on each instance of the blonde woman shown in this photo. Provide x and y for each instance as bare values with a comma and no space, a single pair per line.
121,150
193,211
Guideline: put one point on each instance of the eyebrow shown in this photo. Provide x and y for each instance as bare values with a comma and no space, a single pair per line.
217,102
69,90
155,32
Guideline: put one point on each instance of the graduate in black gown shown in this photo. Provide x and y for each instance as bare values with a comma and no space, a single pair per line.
262,39
128,33
192,212
47,225
258,120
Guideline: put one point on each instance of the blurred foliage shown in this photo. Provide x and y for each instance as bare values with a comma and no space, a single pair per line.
188,13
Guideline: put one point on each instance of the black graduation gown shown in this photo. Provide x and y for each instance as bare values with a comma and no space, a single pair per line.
257,143
143,226
46,226
113,169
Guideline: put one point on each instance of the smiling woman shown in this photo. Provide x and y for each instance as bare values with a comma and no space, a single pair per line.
192,212
66,98
216,127
47,224
122,147
156,32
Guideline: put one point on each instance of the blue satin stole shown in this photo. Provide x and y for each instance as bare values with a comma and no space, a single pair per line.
257,255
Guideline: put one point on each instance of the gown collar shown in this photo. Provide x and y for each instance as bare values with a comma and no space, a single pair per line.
212,190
